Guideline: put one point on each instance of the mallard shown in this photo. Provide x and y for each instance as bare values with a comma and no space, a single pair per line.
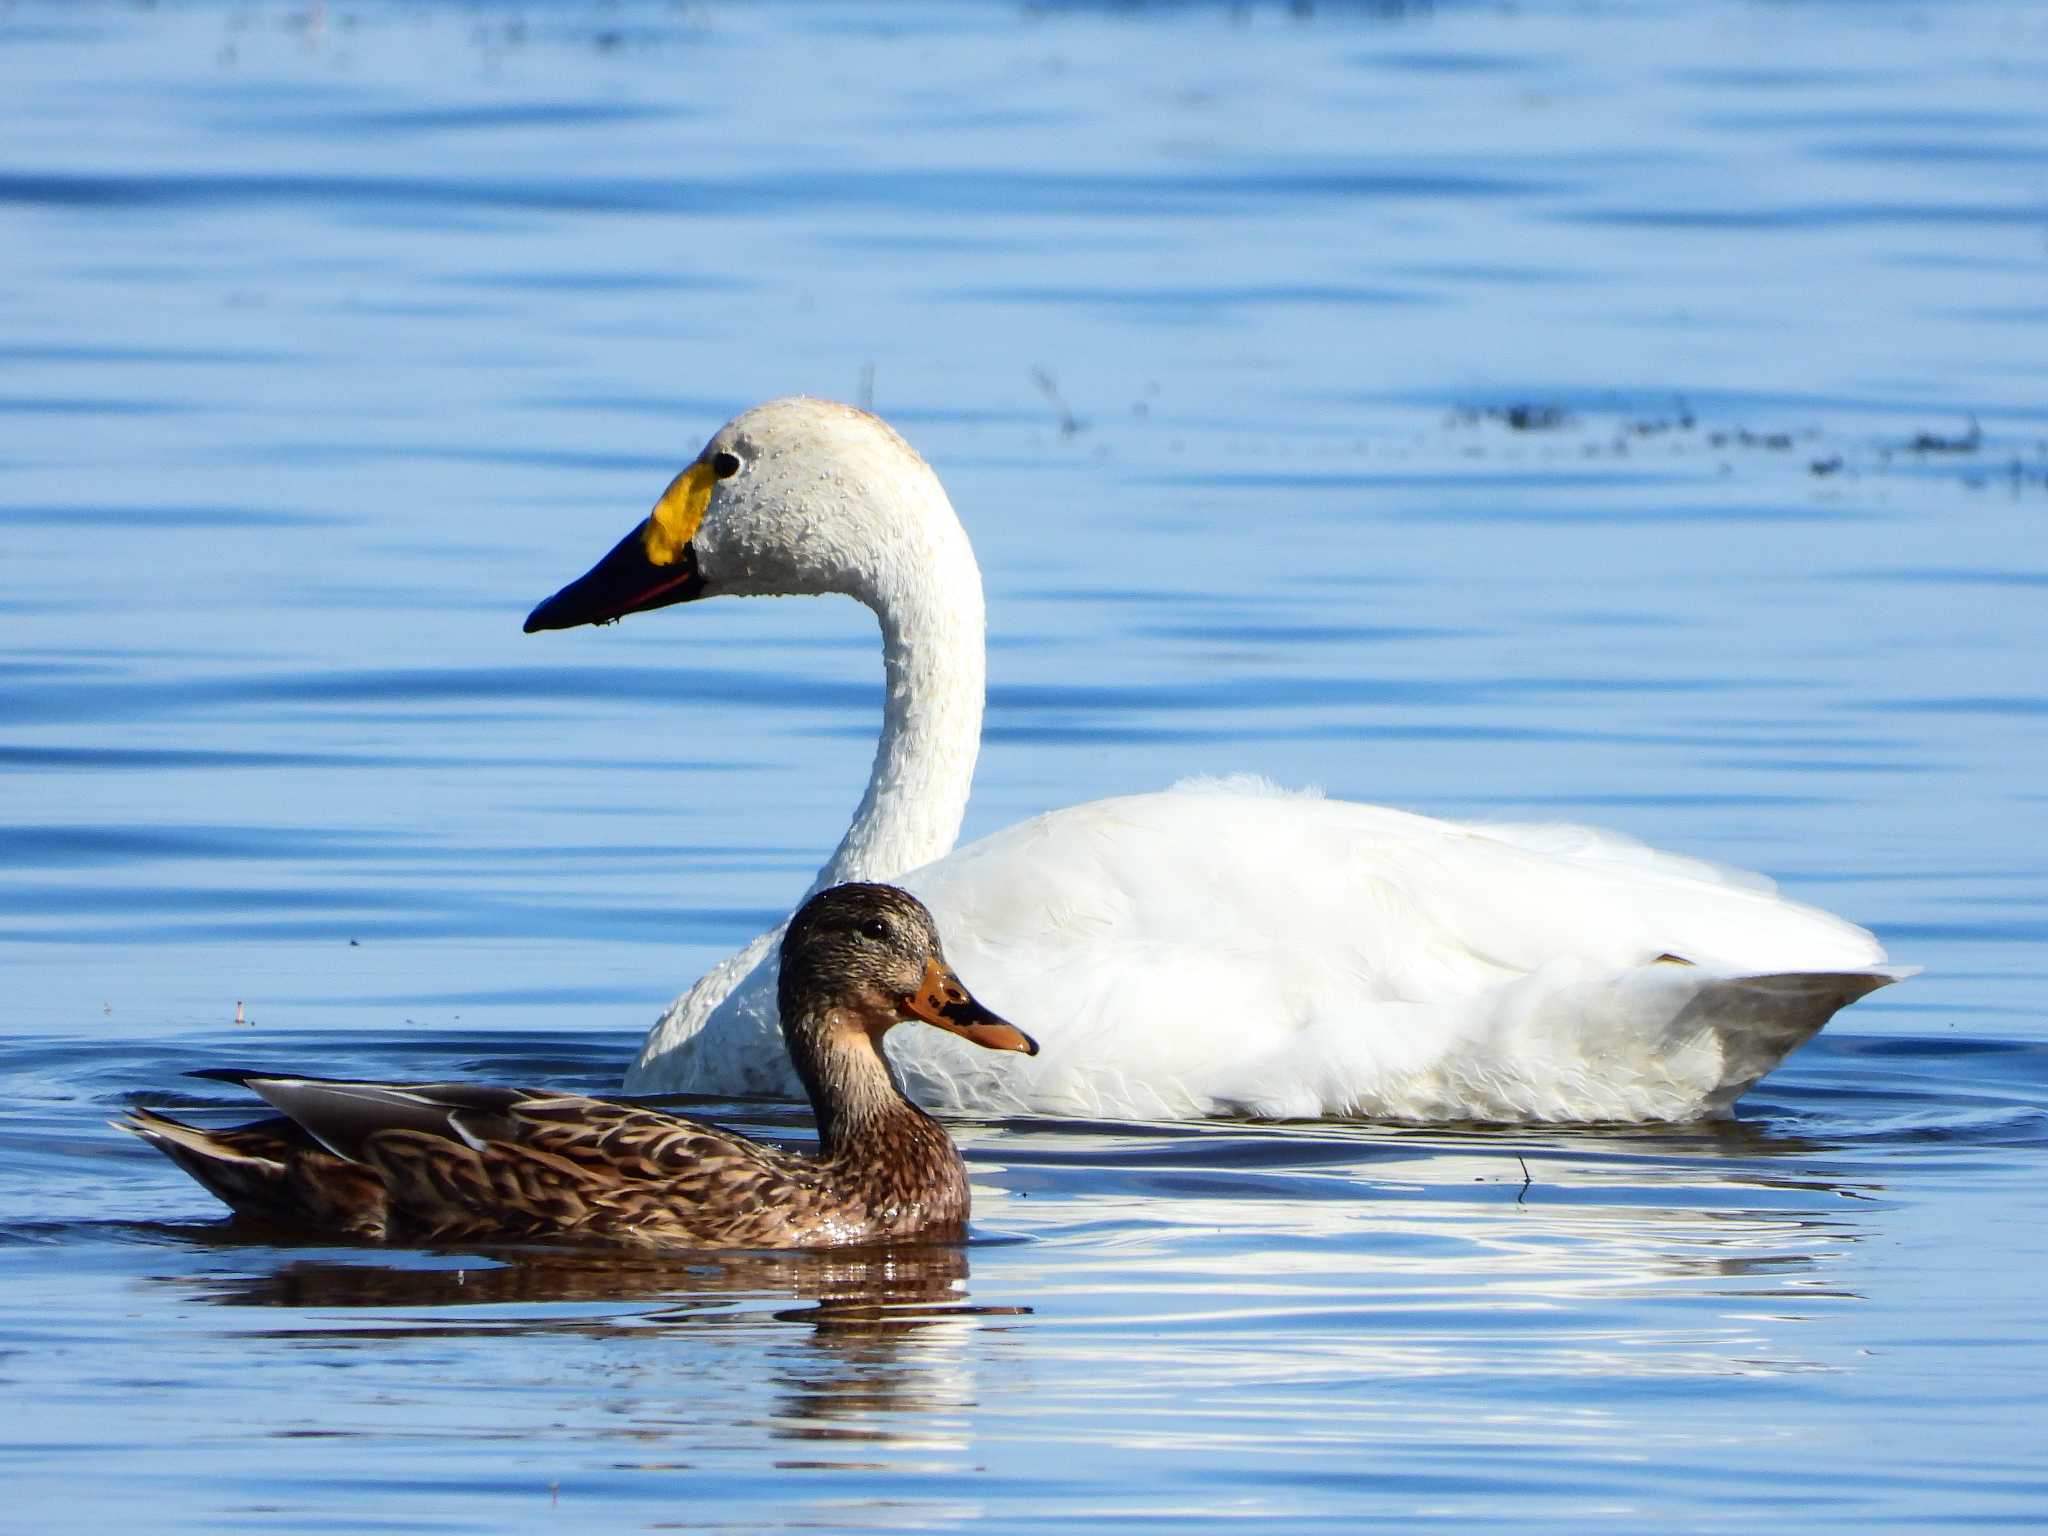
1223,947
463,1162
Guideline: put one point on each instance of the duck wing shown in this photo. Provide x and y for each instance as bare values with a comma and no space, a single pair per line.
466,1161
343,1115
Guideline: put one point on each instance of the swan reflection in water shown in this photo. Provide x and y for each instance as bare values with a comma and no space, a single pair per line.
1325,1253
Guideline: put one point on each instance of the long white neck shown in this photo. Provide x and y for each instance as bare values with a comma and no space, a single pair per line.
934,667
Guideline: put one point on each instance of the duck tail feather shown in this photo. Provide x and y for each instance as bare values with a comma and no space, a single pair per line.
272,1171
229,1165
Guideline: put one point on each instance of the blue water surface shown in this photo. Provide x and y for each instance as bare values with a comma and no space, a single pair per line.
1629,414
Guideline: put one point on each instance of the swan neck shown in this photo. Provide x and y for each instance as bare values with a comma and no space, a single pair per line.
934,674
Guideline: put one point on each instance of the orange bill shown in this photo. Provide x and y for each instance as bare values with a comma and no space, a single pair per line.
940,999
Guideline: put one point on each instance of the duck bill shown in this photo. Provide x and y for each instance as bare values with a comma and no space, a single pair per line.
651,567
941,1000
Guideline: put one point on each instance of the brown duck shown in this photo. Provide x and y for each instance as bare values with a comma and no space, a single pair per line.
443,1162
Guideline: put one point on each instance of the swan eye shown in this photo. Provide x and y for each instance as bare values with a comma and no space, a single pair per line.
725,464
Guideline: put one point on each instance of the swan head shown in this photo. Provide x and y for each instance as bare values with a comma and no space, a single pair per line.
794,497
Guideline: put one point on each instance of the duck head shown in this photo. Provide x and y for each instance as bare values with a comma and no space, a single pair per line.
794,497
868,956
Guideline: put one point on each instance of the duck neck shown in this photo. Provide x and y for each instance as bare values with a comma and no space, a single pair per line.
884,1158
934,670
854,1096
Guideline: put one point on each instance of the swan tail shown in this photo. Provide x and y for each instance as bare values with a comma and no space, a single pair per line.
1760,1020
1670,1042
1571,1044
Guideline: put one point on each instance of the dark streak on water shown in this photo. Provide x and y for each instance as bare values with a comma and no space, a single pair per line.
1511,414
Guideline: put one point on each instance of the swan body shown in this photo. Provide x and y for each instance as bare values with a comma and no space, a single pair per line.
1222,947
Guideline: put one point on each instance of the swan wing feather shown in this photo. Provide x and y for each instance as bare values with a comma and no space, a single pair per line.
1222,947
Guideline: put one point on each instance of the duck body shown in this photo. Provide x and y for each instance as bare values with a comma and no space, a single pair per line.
448,1162
432,1163
1223,947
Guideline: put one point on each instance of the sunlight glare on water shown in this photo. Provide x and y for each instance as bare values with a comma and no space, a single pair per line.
1630,415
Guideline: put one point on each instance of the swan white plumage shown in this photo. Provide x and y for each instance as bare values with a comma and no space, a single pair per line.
1221,947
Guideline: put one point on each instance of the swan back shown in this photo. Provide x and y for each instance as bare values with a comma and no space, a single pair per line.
1214,950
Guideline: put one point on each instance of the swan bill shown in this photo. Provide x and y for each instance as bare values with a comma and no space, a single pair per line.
651,567
941,1000
623,582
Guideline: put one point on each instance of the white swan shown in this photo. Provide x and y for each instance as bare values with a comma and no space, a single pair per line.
1221,947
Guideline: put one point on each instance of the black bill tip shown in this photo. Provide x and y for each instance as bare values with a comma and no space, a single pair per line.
624,581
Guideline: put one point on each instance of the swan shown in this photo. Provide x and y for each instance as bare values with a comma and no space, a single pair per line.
1222,947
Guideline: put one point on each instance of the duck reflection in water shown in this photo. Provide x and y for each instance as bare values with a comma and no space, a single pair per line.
891,1359
847,1291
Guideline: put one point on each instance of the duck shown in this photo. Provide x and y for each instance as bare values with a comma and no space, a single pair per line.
426,1163
1222,946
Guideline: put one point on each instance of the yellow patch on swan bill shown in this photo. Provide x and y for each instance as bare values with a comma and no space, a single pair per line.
678,515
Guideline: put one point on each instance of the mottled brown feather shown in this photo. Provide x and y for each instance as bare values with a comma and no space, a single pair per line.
448,1162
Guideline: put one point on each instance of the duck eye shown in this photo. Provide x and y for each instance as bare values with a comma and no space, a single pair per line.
875,929
725,464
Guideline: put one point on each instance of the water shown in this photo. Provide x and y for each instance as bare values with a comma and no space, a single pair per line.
1629,414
